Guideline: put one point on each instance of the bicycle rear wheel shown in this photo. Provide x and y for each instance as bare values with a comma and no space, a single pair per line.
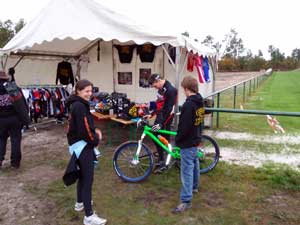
127,168
211,154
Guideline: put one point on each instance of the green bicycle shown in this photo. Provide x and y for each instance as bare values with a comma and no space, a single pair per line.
133,160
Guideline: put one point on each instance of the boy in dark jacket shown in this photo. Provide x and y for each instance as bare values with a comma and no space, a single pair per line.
188,138
164,112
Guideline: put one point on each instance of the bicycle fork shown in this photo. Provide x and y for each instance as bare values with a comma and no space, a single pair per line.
135,159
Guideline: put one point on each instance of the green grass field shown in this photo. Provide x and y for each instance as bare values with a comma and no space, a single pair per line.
280,92
229,195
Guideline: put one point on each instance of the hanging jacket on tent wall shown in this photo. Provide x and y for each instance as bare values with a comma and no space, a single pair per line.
190,62
206,69
146,52
64,73
198,64
125,52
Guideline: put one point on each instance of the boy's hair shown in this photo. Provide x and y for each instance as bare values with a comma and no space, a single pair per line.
190,83
154,77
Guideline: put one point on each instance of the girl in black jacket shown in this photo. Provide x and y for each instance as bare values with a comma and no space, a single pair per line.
81,130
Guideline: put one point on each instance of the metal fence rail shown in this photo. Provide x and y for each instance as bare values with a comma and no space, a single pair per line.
252,82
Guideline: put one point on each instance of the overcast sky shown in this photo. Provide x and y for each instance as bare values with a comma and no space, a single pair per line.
259,23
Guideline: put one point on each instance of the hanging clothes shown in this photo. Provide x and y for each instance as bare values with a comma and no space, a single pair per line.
206,69
125,52
64,73
190,62
84,60
46,102
146,52
198,64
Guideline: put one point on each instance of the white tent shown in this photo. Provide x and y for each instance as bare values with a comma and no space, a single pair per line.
68,26
71,27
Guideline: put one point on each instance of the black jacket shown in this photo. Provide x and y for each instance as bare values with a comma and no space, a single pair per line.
72,172
191,118
170,97
64,73
81,122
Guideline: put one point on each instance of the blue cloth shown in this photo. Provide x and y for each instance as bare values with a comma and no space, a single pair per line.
78,147
205,66
189,173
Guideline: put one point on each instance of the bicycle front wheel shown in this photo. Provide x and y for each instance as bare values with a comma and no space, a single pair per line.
210,154
129,167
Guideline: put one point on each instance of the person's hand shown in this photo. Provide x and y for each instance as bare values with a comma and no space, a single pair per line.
147,116
156,127
99,133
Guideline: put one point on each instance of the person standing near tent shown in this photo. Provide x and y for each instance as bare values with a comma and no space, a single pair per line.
13,115
83,138
167,97
188,138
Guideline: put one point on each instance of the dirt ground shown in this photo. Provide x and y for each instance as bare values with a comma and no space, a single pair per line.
18,205
227,79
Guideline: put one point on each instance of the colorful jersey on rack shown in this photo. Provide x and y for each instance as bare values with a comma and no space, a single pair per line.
198,64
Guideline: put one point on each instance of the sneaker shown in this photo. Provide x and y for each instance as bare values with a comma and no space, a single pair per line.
195,191
94,220
79,206
182,207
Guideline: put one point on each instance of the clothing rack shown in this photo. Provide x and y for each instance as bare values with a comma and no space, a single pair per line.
42,86
44,120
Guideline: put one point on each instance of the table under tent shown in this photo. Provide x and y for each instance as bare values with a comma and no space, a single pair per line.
112,51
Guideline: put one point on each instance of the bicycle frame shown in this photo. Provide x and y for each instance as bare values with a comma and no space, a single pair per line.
174,152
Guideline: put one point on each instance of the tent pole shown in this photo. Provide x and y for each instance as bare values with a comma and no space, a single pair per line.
184,64
178,56
19,60
113,65
163,66
42,54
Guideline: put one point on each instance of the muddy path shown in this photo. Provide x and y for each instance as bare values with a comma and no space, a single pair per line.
19,206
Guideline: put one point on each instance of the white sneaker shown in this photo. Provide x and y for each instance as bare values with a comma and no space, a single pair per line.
94,220
79,206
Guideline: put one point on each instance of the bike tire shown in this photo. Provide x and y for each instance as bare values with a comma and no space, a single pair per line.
211,152
124,167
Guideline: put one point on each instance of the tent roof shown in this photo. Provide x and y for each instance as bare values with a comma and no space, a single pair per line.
67,27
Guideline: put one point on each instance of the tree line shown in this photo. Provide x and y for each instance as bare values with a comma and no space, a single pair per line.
233,56
8,30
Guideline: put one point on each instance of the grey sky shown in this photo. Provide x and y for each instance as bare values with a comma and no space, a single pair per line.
258,22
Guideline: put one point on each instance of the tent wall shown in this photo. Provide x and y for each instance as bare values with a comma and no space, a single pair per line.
34,71
100,73
42,70
104,74
134,91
